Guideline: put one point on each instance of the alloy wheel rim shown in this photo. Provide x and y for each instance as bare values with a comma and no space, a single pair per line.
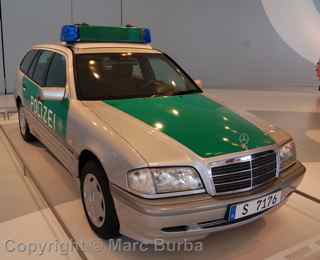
94,200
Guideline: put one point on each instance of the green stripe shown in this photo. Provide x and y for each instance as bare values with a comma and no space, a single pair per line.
202,125
54,114
110,34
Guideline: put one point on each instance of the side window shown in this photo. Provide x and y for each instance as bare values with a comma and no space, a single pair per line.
27,60
33,65
57,72
41,69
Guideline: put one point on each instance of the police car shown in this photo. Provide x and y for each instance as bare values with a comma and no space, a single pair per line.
155,155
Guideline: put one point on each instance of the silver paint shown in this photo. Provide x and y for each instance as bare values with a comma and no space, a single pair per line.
53,94
123,143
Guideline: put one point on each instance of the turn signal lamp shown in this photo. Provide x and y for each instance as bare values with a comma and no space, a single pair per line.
87,33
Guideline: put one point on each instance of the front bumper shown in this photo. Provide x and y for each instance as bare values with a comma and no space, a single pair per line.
192,217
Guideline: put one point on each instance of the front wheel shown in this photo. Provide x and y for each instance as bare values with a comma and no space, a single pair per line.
97,201
23,126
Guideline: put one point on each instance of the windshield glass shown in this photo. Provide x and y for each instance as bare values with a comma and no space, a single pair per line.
129,75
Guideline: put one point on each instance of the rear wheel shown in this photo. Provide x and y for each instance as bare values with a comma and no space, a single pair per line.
97,201
23,126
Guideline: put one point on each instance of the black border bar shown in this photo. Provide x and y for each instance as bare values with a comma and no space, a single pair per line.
3,50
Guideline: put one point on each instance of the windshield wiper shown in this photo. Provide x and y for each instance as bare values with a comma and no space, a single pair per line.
184,92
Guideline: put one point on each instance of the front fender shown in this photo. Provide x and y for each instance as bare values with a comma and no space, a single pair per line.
87,132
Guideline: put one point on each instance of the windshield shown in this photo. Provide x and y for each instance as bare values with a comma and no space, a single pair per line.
129,75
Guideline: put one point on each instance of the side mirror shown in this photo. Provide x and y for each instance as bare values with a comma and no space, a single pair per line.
52,93
199,83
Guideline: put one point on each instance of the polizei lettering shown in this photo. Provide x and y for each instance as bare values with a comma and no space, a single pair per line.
43,112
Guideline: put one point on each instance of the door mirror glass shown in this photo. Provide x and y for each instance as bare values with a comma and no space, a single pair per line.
52,93
199,83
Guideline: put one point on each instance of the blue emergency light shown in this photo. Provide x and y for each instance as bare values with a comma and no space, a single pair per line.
87,33
70,34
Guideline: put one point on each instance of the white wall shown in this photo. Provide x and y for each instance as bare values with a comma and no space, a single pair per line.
224,42
27,23
97,11
297,22
31,22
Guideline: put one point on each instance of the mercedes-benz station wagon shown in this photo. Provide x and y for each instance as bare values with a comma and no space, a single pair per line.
156,156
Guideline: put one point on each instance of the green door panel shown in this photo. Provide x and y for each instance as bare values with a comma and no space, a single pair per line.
204,126
54,114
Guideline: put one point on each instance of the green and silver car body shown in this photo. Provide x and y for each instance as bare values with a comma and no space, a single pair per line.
192,131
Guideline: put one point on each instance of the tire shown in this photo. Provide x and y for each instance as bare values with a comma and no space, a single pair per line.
24,126
97,201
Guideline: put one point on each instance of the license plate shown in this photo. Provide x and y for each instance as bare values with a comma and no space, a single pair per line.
253,207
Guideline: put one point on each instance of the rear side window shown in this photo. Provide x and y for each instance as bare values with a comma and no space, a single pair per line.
41,69
27,60
57,72
33,65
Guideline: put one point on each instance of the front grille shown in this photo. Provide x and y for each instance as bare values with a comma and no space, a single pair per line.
252,171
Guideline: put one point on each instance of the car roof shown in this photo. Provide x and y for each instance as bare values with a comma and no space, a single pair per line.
99,47
54,46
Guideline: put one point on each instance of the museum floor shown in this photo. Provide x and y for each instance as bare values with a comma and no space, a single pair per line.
39,201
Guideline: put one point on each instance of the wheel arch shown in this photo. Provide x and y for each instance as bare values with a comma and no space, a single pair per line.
111,229
85,156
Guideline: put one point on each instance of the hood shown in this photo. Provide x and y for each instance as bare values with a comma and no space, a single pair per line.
205,127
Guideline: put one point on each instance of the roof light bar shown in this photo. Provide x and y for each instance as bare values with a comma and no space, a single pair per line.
87,33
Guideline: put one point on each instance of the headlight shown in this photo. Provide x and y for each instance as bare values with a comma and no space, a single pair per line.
152,181
287,155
